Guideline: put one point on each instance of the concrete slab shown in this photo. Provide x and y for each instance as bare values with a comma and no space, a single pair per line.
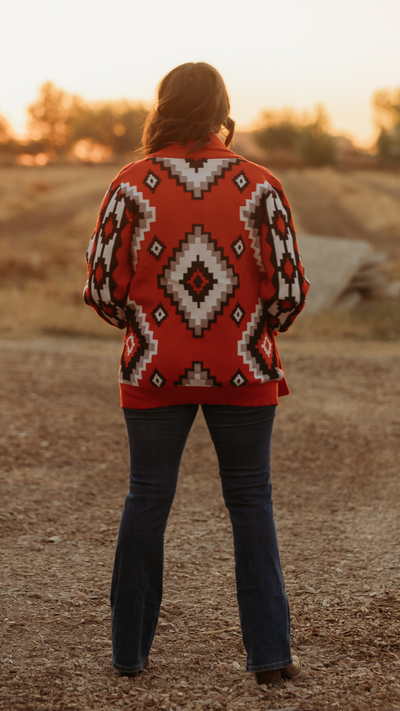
331,263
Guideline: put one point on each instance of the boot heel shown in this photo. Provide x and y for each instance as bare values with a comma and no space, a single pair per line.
269,676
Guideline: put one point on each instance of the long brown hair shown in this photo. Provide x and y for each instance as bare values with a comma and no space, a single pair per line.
192,103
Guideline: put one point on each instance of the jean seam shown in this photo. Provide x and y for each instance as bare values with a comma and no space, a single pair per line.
268,667
120,667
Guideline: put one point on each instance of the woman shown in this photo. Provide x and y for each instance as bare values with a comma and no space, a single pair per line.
195,255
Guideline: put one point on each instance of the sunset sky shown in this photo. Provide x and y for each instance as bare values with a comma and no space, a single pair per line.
271,54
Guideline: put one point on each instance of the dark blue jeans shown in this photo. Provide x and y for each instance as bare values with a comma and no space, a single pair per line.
242,440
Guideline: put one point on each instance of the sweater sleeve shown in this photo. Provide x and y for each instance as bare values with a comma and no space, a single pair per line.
109,258
285,287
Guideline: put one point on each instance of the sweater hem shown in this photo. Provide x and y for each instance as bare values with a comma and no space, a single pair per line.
261,395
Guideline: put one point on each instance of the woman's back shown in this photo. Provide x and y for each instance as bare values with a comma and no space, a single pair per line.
193,253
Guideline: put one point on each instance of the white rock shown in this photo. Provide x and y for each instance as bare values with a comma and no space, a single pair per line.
331,263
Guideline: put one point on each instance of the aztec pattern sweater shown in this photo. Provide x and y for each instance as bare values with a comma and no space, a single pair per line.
195,256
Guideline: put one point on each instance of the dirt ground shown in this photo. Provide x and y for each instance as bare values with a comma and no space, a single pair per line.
336,483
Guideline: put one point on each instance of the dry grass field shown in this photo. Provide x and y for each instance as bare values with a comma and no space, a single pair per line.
47,216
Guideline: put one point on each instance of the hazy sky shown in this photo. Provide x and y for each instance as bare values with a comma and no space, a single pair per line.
271,54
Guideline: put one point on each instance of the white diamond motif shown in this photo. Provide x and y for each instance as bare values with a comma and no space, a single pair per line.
199,280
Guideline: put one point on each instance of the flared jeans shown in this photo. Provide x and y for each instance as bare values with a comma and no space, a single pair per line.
242,440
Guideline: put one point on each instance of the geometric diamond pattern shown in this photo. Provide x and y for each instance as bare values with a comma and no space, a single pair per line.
159,314
283,258
196,176
157,379
152,181
139,345
238,314
141,216
126,210
265,207
256,348
198,280
100,273
251,215
238,379
238,247
241,181
197,376
156,248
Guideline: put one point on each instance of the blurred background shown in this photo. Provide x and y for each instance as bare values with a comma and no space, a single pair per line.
315,92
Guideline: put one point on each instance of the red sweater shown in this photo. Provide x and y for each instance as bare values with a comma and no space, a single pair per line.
196,256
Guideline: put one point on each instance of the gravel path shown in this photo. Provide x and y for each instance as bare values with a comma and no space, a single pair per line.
336,492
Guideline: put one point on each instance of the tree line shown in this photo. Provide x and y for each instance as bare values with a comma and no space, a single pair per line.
58,122
310,136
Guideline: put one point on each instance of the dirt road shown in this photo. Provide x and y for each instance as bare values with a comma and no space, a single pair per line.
336,493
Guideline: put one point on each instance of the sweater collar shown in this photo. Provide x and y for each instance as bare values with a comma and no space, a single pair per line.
215,149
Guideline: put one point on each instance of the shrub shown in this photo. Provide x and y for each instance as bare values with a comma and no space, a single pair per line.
305,135
386,105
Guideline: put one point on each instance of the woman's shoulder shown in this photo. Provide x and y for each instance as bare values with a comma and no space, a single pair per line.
131,170
260,173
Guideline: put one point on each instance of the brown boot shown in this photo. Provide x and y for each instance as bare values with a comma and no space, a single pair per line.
274,676
293,670
269,676
137,673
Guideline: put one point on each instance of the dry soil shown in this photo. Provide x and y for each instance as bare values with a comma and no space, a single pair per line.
336,492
